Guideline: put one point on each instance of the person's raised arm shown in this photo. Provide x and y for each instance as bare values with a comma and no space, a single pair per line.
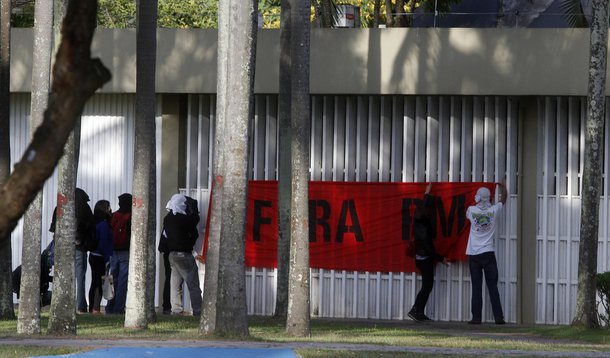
503,191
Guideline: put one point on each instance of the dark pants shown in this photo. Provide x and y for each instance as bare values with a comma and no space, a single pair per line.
98,269
167,305
479,264
426,268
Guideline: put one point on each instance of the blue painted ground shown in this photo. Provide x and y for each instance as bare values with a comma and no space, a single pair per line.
183,352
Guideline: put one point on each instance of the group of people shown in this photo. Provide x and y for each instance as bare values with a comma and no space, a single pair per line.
480,251
105,236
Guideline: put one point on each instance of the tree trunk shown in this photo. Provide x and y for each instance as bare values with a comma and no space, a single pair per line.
400,20
376,11
586,306
389,16
327,13
207,325
6,264
29,296
231,309
284,174
144,186
298,319
75,78
62,315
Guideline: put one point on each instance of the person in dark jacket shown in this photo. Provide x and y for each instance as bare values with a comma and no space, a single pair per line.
84,233
180,231
99,259
424,233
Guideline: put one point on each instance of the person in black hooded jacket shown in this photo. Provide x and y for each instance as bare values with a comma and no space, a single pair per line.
424,233
85,232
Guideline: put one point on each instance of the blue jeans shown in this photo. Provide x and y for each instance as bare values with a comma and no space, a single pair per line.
80,266
479,264
119,266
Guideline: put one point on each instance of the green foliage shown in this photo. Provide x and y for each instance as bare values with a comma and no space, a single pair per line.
201,14
116,13
22,13
603,289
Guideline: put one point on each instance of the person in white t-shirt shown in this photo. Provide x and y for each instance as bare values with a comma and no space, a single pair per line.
481,253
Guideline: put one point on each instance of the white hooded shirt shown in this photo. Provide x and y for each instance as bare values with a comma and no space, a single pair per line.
482,227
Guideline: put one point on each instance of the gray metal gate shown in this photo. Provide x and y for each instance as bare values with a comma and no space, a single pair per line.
383,138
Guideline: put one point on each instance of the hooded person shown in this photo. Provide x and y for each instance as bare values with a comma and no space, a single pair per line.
85,232
119,262
481,252
179,227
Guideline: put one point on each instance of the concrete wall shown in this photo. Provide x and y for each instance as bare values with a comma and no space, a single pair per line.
419,61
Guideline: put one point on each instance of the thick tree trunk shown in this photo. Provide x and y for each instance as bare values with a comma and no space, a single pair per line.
207,326
29,300
139,294
586,305
284,174
75,78
6,264
298,319
376,11
389,16
62,315
231,309
327,13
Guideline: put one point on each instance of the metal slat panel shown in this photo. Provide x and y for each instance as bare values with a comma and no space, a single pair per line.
385,138
373,139
271,133
408,156
396,169
339,140
328,120
420,139
351,139
444,133
432,142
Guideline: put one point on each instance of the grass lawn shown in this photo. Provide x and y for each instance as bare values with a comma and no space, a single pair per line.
397,333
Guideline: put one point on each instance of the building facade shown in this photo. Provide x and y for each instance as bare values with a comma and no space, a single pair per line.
390,105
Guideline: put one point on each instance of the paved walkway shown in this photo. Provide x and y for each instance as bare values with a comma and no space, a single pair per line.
157,348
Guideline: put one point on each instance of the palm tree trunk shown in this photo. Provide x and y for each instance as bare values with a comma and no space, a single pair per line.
586,305
284,173
29,297
139,294
6,264
298,319
231,308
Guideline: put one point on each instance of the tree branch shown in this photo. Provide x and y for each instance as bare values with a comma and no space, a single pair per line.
76,76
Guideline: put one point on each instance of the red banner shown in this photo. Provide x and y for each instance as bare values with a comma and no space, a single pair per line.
361,226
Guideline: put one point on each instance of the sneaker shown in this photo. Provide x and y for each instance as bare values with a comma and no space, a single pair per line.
500,321
414,316
81,311
472,321
423,317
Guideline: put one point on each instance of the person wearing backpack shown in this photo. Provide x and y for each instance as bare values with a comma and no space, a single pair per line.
119,263
180,231
99,257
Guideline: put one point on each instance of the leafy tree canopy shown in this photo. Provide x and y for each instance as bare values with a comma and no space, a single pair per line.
204,13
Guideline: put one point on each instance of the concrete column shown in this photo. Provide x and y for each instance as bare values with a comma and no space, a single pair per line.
527,210
170,144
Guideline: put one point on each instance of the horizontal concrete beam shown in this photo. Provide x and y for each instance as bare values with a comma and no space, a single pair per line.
455,61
